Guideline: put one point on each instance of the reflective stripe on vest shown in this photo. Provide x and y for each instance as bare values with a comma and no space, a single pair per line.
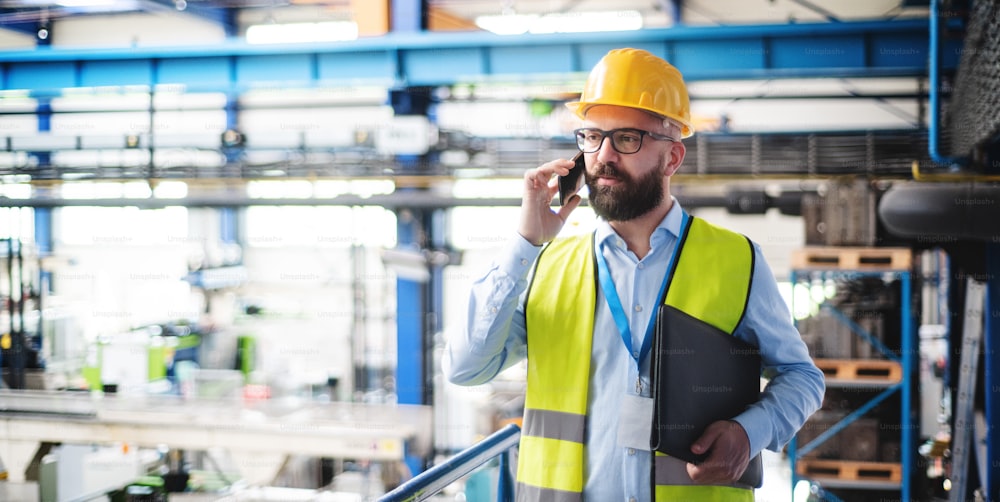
710,281
669,470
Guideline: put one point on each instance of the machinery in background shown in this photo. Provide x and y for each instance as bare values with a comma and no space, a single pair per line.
152,359
80,472
20,319
204,444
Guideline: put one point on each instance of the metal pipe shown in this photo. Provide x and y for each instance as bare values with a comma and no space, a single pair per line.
942,212
934,141
389,201
433,480
950,176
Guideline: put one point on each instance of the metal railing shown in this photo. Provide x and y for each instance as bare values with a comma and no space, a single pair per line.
435,479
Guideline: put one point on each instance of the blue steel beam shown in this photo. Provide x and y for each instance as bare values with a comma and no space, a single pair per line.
24,27
991,370
859,331
847,420
849,49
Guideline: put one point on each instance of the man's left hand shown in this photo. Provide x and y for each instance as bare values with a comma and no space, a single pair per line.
728,450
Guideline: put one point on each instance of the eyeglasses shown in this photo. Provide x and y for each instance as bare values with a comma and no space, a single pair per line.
625,140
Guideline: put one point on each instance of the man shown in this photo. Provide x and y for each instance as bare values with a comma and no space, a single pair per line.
580,309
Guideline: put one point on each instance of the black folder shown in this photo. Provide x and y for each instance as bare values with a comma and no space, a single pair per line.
701,374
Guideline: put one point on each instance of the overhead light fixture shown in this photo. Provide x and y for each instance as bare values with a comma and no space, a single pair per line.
507,24
328,31
574,22
85,3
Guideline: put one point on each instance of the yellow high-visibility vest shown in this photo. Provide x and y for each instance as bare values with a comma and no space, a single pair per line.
710,281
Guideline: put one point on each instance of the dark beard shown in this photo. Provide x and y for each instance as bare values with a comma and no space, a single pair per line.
628,200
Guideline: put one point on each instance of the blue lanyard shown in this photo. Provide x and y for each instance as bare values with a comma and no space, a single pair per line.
615,303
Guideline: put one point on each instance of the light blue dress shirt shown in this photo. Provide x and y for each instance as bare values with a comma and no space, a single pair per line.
495,338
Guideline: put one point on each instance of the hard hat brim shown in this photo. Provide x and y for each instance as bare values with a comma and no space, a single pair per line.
579,108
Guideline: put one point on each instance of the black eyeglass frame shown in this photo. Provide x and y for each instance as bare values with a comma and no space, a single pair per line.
605,134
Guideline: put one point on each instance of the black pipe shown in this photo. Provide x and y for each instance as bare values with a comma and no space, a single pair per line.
942,212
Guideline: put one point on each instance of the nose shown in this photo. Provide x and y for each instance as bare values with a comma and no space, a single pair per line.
606,153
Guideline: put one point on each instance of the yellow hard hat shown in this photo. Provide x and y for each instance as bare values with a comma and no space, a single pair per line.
637,79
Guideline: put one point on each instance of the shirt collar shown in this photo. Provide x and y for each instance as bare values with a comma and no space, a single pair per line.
670,225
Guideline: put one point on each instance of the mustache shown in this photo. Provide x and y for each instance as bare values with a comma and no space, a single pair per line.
608,170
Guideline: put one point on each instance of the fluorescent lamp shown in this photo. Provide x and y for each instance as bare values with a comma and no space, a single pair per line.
85,3
621,20
507,24
574,22
329,31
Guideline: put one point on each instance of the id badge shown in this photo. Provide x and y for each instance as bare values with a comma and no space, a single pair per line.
635,422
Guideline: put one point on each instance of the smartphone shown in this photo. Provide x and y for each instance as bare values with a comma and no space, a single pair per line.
572,182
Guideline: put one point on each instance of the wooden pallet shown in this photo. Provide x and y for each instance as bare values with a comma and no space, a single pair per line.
849,470
865,370
852,258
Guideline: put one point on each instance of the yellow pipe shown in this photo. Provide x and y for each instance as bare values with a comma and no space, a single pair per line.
428,181
931,177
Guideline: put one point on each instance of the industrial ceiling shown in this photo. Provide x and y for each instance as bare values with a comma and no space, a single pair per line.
25,15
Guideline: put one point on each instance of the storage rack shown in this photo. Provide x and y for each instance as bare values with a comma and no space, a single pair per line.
895,373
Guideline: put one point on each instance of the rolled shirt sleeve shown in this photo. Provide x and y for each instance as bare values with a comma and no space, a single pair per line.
796,387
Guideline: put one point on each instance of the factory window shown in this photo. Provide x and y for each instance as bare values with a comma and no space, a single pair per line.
118,226
121,226
322,226
16,223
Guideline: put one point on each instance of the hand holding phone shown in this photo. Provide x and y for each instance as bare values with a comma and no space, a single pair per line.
572,182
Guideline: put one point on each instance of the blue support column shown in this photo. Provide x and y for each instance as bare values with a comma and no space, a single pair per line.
418,303
910,355
229,225
43,230
411,311
42,220
43,34
43,216
675,8
991,361
408,16
936,53
413,336
415,300
43,112
232,140
43,245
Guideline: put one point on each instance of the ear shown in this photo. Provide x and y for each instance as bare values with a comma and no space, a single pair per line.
675,157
